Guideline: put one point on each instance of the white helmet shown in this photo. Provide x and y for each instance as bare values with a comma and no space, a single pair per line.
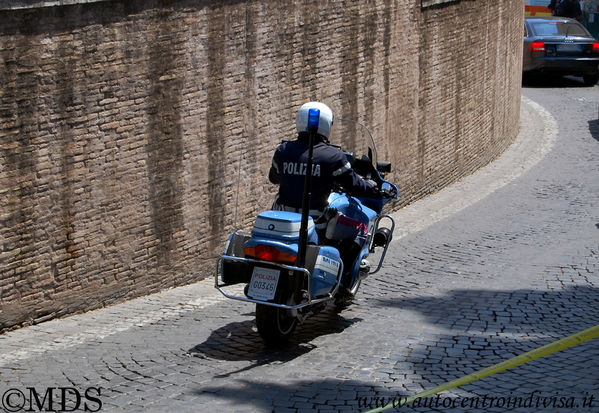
325,122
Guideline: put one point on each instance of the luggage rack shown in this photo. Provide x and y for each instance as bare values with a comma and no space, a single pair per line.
306,272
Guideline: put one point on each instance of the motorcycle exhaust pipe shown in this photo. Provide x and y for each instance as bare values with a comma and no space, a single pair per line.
382,237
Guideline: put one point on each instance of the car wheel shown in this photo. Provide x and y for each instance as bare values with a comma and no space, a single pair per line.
590,80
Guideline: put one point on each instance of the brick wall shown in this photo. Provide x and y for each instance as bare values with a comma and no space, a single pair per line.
124,125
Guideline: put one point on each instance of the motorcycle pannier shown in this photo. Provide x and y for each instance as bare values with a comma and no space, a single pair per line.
233,272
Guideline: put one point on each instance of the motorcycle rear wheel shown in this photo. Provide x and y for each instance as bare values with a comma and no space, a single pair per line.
275,325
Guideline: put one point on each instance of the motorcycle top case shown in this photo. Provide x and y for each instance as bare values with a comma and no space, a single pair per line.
280,225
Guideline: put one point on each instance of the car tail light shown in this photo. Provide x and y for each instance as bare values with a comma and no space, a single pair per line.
596,47
269,253
537,47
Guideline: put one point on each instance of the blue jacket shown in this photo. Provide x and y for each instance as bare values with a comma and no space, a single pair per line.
330,166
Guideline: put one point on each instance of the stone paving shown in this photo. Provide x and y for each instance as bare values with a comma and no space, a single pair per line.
463,288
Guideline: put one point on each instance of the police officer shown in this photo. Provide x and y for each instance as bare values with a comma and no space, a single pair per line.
330,166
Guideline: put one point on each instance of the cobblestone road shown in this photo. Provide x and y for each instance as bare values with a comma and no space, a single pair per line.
497,265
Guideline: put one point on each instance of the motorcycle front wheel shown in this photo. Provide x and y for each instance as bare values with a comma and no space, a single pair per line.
275,325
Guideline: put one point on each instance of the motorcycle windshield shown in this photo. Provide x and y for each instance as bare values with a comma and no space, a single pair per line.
355,138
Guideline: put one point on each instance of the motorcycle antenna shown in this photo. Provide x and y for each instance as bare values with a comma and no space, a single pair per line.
313,120
237,195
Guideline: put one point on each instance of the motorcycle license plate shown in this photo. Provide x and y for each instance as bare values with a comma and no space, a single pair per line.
263,284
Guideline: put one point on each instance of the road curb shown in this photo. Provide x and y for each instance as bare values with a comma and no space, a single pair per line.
538,134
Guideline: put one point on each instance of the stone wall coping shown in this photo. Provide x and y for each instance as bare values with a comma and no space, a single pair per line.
34,4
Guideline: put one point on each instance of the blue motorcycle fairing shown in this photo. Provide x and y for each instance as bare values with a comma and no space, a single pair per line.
351,207
325,272
354,208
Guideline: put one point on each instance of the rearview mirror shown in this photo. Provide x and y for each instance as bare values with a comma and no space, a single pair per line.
383,167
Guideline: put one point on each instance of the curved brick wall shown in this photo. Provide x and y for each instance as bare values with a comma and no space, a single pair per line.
122,124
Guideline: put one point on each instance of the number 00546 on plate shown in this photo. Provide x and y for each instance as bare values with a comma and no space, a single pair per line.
263,284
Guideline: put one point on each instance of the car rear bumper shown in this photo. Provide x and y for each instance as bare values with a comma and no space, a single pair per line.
566,65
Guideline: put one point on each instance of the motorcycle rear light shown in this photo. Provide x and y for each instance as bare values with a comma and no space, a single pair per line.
537,47
269,253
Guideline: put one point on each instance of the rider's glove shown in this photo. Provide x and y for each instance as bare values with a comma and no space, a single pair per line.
371,183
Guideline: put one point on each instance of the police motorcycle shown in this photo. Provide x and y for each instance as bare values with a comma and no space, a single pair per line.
292,270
